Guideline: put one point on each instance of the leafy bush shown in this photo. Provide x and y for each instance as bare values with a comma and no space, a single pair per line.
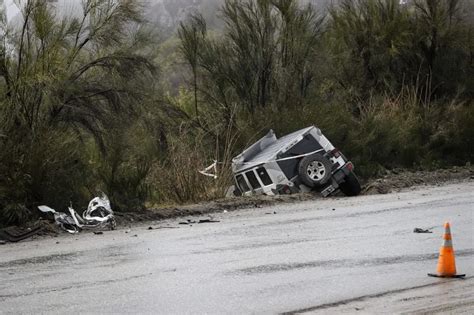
47,169
123,168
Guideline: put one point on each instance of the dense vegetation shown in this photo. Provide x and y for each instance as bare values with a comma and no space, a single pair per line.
96,101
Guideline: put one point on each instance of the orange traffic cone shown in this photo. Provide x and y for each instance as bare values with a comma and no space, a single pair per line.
446,263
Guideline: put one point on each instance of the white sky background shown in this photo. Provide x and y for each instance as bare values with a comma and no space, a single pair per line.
65,7
12,9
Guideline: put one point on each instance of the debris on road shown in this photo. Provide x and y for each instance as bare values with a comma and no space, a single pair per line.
162,227
98,232
189,221
208,221
419,230
200,221
98,215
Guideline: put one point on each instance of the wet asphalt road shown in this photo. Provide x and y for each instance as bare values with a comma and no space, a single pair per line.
324,256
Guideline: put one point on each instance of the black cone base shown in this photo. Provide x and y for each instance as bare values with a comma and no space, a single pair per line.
439,276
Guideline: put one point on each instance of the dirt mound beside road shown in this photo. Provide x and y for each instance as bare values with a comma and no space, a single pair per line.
396,180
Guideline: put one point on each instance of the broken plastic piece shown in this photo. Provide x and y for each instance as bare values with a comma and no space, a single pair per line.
418,230
208,221
213,167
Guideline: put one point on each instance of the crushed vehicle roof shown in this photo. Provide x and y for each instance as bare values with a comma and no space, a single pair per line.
266,149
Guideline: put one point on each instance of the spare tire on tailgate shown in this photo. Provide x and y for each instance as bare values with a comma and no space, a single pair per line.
314,170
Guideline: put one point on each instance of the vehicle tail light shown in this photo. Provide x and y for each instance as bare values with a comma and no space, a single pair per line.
285,190
350,166
336,153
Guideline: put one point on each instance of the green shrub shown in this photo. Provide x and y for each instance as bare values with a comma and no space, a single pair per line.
48,169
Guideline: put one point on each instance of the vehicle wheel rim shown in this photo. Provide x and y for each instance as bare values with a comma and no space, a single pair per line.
316,170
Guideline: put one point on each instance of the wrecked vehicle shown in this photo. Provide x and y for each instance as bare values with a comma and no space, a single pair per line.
98,215
301,161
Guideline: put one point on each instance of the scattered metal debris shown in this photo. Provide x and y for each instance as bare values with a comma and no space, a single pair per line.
208,221
419,230
98,215
163,227
189,221
212,167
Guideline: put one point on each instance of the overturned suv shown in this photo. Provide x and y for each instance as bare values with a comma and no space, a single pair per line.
301,161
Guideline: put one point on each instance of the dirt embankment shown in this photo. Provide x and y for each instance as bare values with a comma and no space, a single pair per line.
392,181
396,180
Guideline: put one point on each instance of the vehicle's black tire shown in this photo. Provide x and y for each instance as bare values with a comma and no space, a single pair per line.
351,185
314,170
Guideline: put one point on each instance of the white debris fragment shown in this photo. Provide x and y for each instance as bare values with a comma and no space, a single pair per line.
99,214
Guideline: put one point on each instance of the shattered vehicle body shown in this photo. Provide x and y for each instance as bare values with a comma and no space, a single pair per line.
98,215
301,161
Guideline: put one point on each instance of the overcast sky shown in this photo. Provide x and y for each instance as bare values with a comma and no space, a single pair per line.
12,9
66,7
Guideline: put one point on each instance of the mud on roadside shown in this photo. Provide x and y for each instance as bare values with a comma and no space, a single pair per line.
392,181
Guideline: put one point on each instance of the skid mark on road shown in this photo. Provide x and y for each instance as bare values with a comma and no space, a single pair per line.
49,259
106,254
256,245
341,263
372,296
74,286
432,204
